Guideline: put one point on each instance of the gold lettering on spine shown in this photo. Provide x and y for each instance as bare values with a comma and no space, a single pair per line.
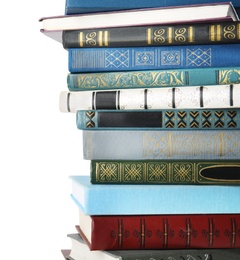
238,31
106,38
149,36
212,38
218,32
80,39
170,144
221,144
170,30
100,38
215,33
190,33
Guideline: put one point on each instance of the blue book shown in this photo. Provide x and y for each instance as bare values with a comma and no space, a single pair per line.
81,6
158,119
157,145
153,58
143,199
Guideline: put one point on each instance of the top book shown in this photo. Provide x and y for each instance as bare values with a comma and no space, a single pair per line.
134,17
81,6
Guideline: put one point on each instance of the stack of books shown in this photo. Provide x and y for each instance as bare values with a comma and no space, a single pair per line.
156,95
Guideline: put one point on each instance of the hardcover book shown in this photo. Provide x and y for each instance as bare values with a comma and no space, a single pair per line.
158,119
153,58
194,97
78,6
80,251
178,34
160,231
158,15
221,172
153,78
161,145
143,199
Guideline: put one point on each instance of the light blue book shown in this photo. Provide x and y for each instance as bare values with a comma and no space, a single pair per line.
143,199
151,58
152,145
202,119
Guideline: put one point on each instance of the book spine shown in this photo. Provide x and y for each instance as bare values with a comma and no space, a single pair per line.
158,119
195,97
147,145
153,78
78,7
151,58
161,35
164,232
165,172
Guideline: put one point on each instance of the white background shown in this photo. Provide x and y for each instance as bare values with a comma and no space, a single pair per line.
40,146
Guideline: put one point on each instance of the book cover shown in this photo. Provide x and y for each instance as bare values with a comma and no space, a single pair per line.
153,78
159,35
153,58
81,251
143,199
192,97
161,145
201,119
179,231
77,6
157,15
221,172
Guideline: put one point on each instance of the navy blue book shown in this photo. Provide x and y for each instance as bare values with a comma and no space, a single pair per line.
152,58
81,6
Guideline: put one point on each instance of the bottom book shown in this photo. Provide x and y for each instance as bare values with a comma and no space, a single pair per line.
81,251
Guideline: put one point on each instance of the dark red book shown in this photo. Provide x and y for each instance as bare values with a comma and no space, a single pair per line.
160,231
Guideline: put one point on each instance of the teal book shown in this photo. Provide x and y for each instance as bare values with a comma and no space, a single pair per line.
199,172
158,119
161,145
153,78
143,199
153,58
81,6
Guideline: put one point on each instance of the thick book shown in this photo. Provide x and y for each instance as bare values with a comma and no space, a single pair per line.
191,97
153,78
179,34
141,199
161,145
134,17
178,231
81,6
153,58
201,119
201,172
80,251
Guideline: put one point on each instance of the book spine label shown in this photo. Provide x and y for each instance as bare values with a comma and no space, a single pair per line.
165,232
200,97
165,172
158,119
140,145
151,58
153,78
184,34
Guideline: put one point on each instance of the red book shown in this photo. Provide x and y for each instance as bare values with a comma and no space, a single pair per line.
160,231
